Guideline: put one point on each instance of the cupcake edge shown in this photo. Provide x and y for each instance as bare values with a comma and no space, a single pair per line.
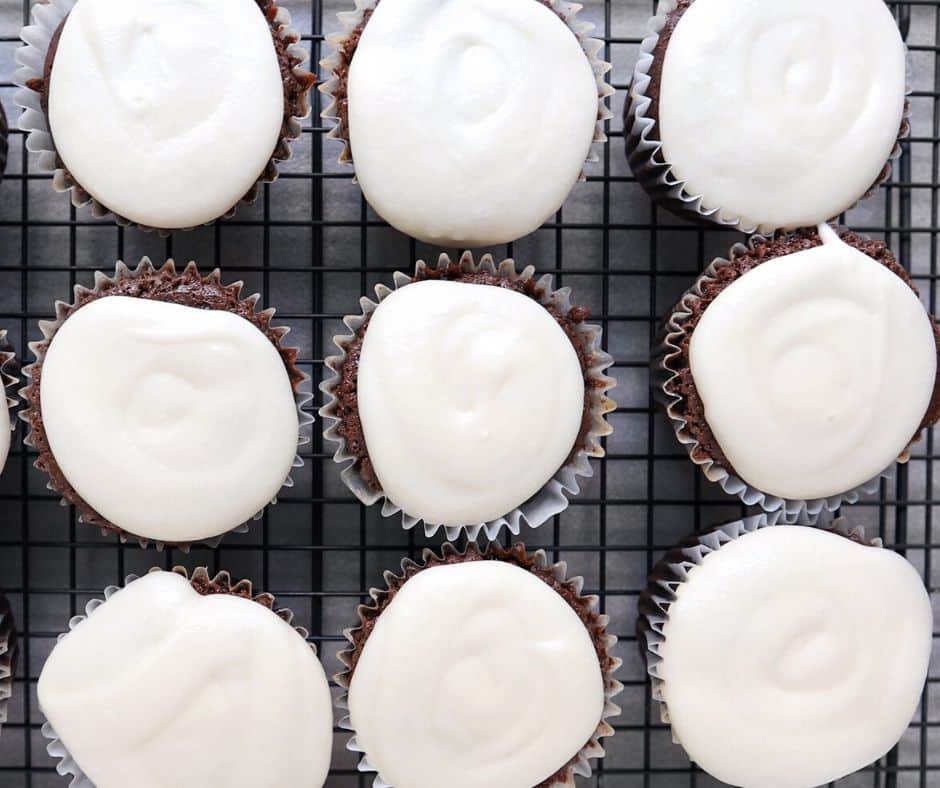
553,498
4,144
554,575
9,380
344,43
644,149
203,583
31,413
8,655
45,20
663,376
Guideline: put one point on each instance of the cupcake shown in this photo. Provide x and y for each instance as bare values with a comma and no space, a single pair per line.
799,370
8,650
767,115
469,397
179,681
479,668
166,115
471,120
164,406
785,655
8,382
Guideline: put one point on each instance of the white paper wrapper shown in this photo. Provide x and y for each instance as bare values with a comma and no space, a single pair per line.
45,19
553,497
517,554
350,20
66,765
8,650
673,570
663,373
9,380
655,174
102,283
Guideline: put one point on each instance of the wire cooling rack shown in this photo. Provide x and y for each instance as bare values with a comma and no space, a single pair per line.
311,247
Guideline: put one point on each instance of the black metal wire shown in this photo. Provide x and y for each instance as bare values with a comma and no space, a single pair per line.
311,246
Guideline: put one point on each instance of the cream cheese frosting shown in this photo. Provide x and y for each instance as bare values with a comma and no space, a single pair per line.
793,656
469,120
781,114
470,398
815,370
163,686
174,423
476,674
166,112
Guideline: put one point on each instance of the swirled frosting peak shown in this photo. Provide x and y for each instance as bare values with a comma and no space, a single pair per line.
476,674
782,114
174,423
815,370
469,120
166,111
794,656
162,686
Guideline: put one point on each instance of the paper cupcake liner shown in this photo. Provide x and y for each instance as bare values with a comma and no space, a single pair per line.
673,570
517,554
8,652
663,375
552,499
9,380
45,19
221,583
654,173
335,62
30,412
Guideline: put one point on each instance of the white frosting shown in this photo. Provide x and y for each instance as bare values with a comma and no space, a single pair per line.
794,656
470,120
174,423
815,370
476,674
162,686
782,113
166,111
470,398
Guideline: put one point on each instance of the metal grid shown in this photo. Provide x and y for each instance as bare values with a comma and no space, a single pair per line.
311,247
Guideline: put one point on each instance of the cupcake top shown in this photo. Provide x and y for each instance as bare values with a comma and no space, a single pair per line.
165,684
166,113
789,640
780,114
815,368
450,686
469,120
470,397
169,421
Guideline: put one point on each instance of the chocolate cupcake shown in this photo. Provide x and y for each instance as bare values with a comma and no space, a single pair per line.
799,370
8,652
767,640
470,397
496,104
767,116
164,406
176,126
8,384
173,680
496,646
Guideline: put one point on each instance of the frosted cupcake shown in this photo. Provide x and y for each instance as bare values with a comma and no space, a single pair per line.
763,641
164,406
800,370
470,397
498,648
178,681
767,115
8,651
470,121
167,115
8,383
